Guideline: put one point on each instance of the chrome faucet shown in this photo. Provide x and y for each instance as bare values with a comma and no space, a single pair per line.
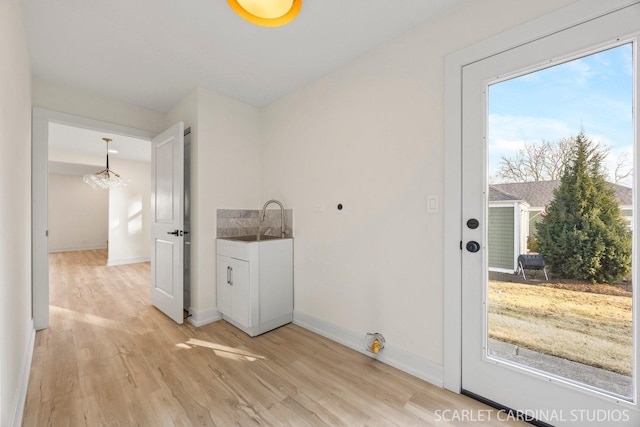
264,213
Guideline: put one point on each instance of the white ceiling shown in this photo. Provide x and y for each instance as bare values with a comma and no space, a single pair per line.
79,169
87,146
151,53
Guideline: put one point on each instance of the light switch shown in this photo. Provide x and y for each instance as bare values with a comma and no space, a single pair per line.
433,204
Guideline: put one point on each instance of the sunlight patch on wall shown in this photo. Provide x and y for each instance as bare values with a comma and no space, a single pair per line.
134,223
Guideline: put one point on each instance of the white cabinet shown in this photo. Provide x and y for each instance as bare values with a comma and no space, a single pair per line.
233,288
255,283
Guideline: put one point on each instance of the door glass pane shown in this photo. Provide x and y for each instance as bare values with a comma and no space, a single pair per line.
560,220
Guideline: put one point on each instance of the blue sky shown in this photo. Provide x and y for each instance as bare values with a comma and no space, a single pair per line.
594,92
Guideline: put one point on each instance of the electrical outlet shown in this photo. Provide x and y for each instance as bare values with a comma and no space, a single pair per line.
318,207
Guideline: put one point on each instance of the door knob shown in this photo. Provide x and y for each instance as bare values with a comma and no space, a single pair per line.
473,246
175,232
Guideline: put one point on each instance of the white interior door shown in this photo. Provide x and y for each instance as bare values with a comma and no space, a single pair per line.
167,212
544,394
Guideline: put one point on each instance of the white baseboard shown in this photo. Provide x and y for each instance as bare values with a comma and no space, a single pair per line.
78,248
17,409
502,270
203,317
408,362
123,261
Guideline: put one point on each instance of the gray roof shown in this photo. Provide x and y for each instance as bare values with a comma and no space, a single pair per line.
496,194
539,193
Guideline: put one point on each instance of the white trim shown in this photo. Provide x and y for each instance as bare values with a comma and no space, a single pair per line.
517,235
452,346
40,218
549,24
507,203
17,409
77,248
501,270
408,362
97,125
203,317
123,261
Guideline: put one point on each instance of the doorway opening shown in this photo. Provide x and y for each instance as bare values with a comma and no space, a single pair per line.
49,125
82,217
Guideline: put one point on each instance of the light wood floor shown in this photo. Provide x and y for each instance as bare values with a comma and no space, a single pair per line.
110,359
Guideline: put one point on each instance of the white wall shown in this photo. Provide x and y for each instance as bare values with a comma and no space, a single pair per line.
63,156
228,175
120,216
129,213
225,174
16,326
370,136
73,101
78,214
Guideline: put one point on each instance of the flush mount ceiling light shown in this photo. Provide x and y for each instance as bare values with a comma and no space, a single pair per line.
267,13
106,178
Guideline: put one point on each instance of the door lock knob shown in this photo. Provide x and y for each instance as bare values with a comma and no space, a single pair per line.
473,246
473,223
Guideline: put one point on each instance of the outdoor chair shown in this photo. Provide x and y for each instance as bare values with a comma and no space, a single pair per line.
531,262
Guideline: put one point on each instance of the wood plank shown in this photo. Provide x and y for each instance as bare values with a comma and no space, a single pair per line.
110,358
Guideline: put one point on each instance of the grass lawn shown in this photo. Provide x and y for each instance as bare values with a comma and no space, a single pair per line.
591,328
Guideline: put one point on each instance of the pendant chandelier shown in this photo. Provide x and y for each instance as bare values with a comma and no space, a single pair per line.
106,178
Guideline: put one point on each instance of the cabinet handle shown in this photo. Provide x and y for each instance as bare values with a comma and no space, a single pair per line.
231,276
228,275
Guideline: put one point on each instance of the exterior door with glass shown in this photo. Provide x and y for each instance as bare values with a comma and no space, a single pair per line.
548,188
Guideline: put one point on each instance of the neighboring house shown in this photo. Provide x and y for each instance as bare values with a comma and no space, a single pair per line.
515,208
507,229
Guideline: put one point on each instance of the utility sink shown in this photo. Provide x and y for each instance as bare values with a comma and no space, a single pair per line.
251,238
254,282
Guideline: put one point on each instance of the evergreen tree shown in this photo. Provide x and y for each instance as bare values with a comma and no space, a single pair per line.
584,235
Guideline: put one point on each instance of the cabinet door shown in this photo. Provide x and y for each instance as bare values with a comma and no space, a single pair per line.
240,296
223,284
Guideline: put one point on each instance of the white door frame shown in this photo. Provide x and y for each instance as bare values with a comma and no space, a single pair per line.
39,188
557,21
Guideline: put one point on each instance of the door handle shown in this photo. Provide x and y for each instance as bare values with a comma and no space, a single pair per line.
473,246
174,232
